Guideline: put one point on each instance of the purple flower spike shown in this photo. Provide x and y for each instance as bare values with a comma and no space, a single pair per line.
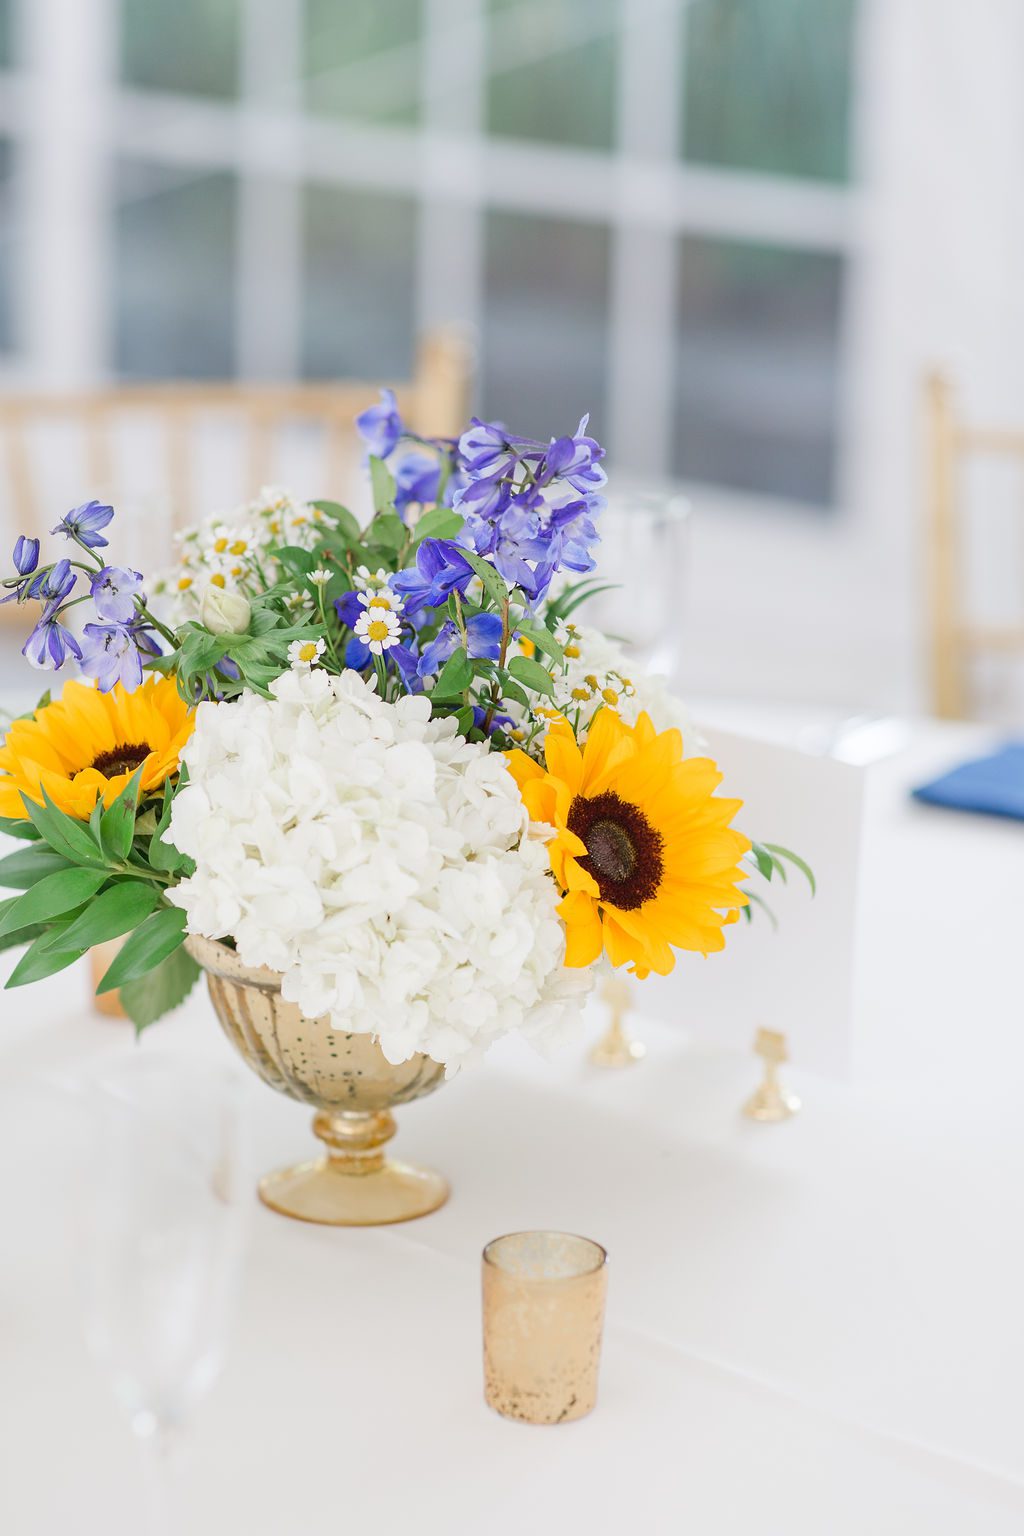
84,523
111,656
54,584
380,426
484,447
114,591
440,569
417,477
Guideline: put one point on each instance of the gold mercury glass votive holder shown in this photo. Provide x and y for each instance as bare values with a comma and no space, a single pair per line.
543,1300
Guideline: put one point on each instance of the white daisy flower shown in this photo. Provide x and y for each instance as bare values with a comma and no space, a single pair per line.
319,578
379,628
304,654
383,598
365,580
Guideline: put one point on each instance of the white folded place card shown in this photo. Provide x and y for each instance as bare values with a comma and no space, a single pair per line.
799,977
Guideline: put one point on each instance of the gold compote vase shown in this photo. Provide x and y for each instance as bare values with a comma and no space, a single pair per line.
349,1082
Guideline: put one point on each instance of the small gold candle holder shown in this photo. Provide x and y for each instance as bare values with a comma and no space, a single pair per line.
615,1047
771,1103
543,1298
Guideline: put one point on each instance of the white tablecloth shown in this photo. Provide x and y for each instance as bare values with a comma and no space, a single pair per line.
812,1328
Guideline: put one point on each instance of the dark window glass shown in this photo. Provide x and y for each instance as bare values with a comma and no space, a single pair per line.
358,295
767,85
362,59
8,246
192,46
544,353
174,272
757,368
551,71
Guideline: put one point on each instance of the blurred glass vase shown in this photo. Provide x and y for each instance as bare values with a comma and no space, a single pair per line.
350,1083
643,549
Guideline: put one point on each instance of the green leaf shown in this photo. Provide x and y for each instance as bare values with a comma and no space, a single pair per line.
794,858
495,588
532,674
151,943
382,482
160,990
17,828
582,592
40,960
756,897
455,676
464,717
117,910
388,531
438,523
117,824
348,526
27,865
542,638
58,893
763,859
511,690
65,835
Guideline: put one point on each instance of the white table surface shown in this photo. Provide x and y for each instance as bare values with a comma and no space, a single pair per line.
812,1328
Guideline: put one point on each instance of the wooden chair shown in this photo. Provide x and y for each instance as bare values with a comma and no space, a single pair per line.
436,401
955,641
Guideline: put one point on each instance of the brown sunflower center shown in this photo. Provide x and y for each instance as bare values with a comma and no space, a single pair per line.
124,758
623,849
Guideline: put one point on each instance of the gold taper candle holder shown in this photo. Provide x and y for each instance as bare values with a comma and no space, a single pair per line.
616,1048
770,1103
543,1305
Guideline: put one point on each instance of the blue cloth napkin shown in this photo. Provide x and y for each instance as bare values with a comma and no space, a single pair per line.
993,786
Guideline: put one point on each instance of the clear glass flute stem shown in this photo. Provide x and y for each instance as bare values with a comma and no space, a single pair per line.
158,1455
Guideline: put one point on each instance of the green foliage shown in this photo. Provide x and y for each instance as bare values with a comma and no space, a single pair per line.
438,523
348,529
382,483
455,676
532,674
117,910
493,584
25,866
542,638
158,936
159,990
51,897
66,836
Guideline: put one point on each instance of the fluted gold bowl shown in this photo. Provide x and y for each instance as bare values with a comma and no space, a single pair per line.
348,1081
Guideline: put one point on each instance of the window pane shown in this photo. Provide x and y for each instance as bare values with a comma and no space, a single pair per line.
358,295
174,272
545,333
757,368
552,71
190,45
768,85
6,39
8,237
363,59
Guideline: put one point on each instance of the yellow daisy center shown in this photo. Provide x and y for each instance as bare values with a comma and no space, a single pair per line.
572,651
307,652
379,600
217,580
184,583
378,629
220,546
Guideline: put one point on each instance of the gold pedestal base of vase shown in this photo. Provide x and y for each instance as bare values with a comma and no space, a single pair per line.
355,1185
347,1079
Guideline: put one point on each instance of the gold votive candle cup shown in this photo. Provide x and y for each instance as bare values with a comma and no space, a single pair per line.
543,1299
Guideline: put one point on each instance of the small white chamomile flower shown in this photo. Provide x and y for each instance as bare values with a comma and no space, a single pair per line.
304,654
382,598
366,580
320,577
379,629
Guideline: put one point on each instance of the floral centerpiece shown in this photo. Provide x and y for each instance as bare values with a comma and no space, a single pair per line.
386,765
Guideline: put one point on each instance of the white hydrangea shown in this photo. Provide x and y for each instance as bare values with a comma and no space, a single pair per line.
378,860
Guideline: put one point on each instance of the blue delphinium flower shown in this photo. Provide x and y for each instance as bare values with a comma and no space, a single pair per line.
497,722
84,523
110,654
417,477
380,426
483,639
26,558
114,591
485,447
49,643
53,584
441,569
26,555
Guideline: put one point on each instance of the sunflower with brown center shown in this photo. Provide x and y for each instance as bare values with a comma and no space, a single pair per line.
86,745
643,850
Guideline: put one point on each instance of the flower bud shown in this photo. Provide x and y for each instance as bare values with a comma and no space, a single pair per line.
26,555
223,612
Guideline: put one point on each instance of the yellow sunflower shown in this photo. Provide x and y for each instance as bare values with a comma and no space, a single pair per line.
87,744
642,850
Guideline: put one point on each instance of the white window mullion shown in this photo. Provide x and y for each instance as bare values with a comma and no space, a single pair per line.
643,251
269,233
65,175
450,180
